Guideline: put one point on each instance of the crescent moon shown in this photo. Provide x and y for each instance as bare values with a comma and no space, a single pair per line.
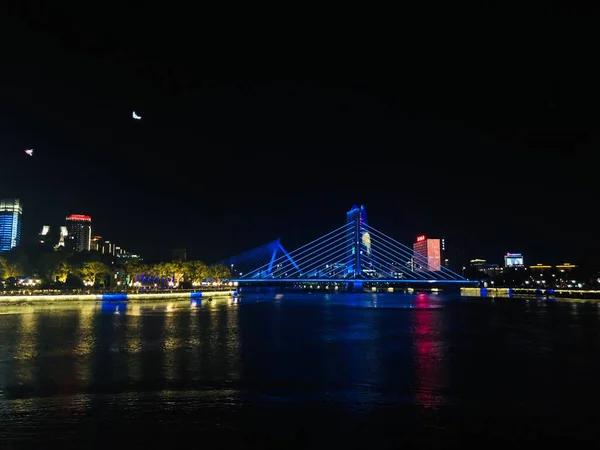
136,117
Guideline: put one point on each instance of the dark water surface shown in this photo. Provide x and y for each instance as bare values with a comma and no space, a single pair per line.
301,371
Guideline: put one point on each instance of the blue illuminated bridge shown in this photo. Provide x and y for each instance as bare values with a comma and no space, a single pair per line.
352,255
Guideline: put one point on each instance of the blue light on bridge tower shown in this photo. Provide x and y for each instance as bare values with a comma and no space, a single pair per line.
356,218
263,262
354,253
278,247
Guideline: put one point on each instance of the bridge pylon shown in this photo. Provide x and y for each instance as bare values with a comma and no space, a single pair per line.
353,254
356,219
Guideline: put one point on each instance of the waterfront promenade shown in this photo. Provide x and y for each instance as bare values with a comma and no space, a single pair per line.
40,296
509,292
54,296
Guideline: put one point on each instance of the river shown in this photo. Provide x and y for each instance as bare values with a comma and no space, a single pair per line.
293,371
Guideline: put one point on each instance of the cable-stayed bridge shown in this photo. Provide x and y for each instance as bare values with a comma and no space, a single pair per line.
353,253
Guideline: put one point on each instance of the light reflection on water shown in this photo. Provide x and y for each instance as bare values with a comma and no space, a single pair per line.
429,344
439,359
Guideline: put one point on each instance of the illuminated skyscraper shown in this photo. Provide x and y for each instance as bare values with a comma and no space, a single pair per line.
79,232
10,223
427,255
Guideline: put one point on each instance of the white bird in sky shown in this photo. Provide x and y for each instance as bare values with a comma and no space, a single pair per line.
136,117
29,151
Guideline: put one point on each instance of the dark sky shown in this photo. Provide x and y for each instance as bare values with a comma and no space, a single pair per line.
480,126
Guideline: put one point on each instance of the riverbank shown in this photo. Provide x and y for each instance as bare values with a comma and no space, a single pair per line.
529,293
107,297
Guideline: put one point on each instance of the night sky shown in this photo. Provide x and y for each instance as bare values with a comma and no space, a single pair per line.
488,137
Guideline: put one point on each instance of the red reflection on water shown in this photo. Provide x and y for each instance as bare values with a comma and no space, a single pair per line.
426,338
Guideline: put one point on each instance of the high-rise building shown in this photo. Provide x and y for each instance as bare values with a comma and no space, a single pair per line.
62,237
10,223
449,255
108,248
445,261
44,234
427,254
79,232
96,243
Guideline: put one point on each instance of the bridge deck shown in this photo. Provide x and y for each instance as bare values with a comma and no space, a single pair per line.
351,280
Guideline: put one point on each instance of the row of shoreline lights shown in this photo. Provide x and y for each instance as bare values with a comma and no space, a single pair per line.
30,282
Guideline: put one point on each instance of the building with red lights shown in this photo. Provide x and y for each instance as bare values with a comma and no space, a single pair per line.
427,254
79,233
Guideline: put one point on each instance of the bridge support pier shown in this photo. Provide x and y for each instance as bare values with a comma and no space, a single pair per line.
354,286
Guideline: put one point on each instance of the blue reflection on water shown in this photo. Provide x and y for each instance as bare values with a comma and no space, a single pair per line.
113,308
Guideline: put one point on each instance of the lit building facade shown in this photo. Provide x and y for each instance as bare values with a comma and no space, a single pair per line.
44,234
108,248
62,238
79,232
513,260
565,267
562,268
483,266
445,261
427,254
562,276
96,243
10,223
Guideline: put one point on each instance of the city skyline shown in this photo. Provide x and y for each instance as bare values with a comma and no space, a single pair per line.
224,159
74,233
422,244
